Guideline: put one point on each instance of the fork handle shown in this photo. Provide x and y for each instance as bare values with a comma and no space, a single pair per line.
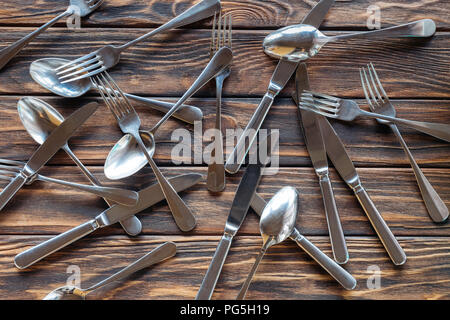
9,52
437,130
437,209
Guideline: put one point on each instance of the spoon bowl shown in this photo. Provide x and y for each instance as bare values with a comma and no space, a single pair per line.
126,157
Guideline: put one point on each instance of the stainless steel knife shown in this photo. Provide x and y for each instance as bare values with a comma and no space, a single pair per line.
239,208
338,155
147,197
316,149
46,151
341,275
283,72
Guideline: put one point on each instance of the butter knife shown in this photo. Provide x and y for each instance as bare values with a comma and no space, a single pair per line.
316,149
338,155
147,197
46,151
283,72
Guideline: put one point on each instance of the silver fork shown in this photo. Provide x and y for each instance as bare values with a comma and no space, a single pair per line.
220,37
80,7
130,123
348,110
108,56
9,169
379,102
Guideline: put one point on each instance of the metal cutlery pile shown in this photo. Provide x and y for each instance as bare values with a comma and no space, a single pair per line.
136,148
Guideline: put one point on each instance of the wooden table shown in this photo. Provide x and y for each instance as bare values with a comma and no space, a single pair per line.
414,73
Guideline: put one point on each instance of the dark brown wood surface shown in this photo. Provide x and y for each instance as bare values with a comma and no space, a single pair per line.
413,72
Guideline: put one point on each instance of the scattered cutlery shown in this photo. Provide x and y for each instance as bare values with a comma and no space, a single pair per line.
221,37
302,41
316,148
159,254
43,72
379,102
115,162
45,152
147,197
108,56
81,7
276,224
9,169
348,110
40,119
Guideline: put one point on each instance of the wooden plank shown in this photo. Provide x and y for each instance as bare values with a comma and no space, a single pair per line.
43,208
246,13
409,68
368,143
286,270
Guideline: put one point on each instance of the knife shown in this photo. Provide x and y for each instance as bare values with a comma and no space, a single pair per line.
46,151
147,197
338,155
316,149
283,72
239,208
341,275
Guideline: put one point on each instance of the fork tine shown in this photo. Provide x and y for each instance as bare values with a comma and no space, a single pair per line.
2,177
369,102
112,97
378,81
213,36
325,107
101,88
86,57
8,172
219,31
76,73
313,108
12,162
88,75
308,96
230,31
374,85
374,99
129,107
77,66
322,95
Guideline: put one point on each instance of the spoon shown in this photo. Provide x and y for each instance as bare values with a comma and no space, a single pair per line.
163,252
43,72
40,119
301,41
126,157
276,224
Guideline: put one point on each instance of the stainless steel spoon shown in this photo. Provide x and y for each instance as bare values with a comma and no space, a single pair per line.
40,119
43,72
276,224
301,41
163,252
126,157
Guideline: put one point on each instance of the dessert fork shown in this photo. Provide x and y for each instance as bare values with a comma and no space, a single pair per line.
379,102
349,110
80,7
108,56
9,169
220,37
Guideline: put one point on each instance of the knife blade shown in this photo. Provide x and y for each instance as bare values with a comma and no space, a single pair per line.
283,72
239,208
339,156
316,148
47,150
147,197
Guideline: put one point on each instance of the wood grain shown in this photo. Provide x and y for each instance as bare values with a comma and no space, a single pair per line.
286,270
43,208
169,63
246,13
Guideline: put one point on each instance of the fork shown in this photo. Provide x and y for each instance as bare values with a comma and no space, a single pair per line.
108,56
220,37
348,110
80,7
379,102
130,123
9,169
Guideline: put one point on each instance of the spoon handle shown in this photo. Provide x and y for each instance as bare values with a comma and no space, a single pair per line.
161,253
9,52
335,270
122,196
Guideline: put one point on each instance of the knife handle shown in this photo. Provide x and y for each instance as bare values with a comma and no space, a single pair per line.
336,271
212,274
389,241
251,130
46,248
11,189
337,238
